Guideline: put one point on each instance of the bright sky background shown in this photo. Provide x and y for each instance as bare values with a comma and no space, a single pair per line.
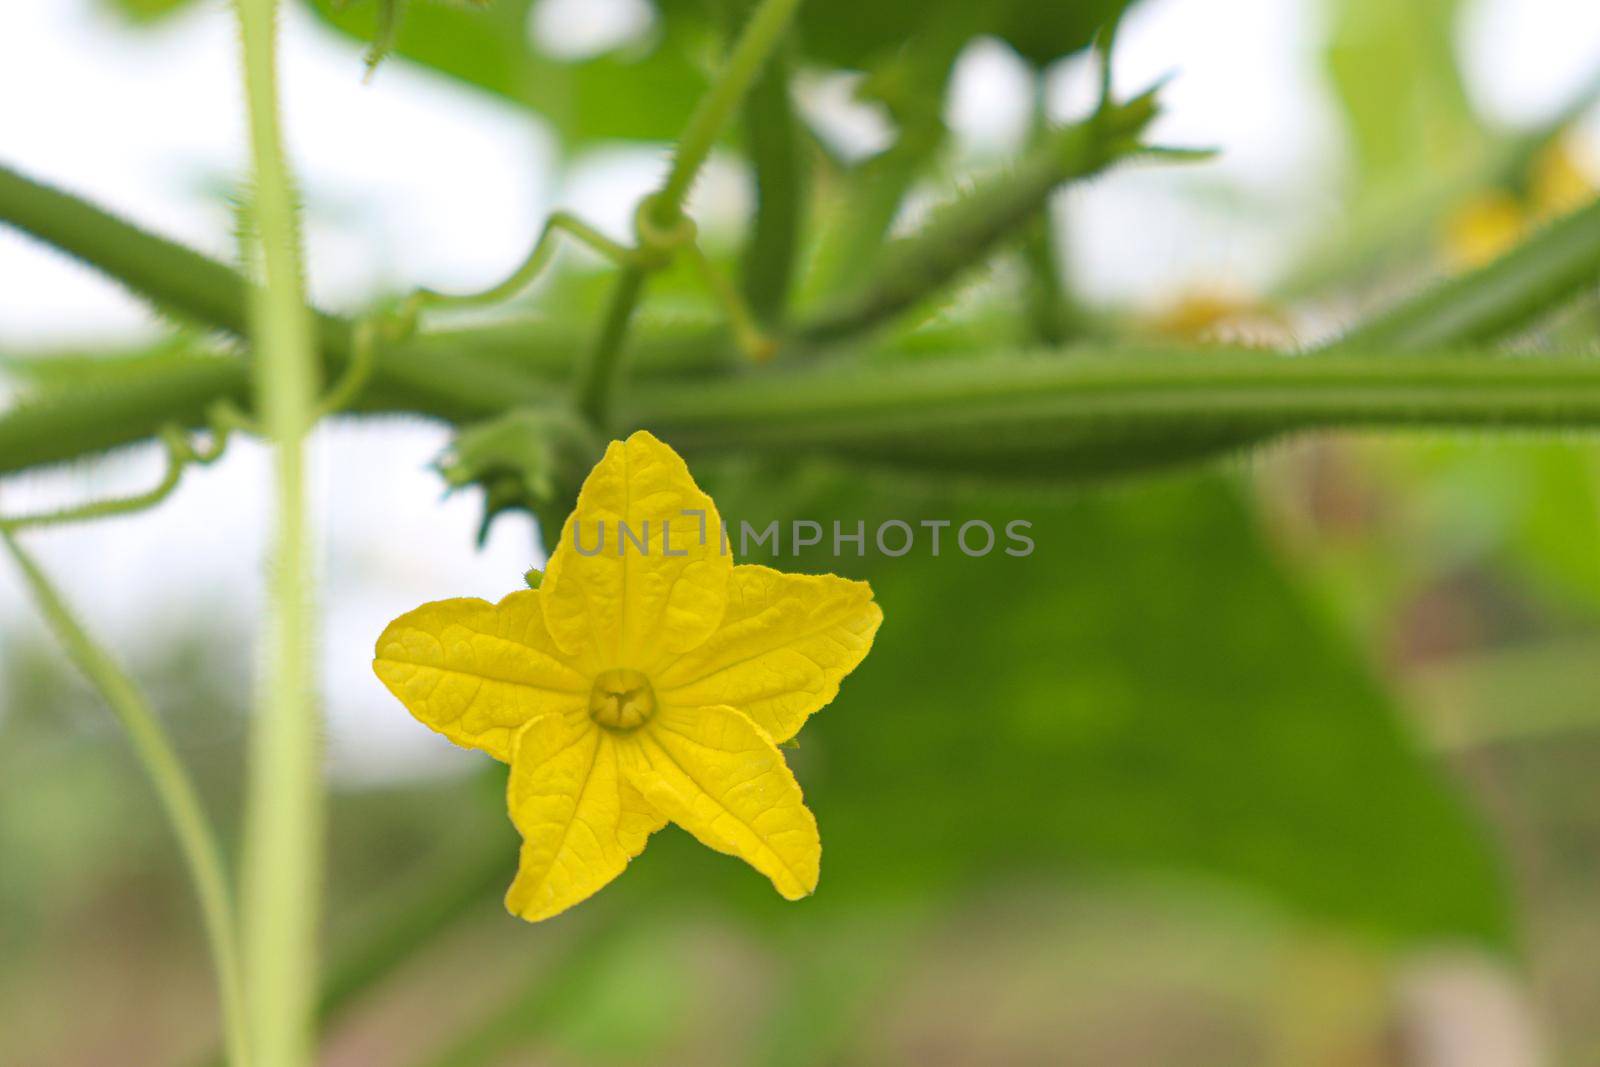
414,180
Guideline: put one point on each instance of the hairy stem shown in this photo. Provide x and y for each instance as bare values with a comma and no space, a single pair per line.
181,281
745,63
1035,408
777,150
1101,415
196,839
664,209
962,236
284,811
853,232
1495,300
175,278
597,379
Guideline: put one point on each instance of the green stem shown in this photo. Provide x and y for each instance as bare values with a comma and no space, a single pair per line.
462,879
875,191
457,375
853,236
179,799
963,234
1051,315
284,811
761,35
523,275
415,374
1036,408
175,278
777,152
1487,304
598,375
1109,413
663,210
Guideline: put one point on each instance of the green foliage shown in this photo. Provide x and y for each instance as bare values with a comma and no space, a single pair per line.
1147,689
841,33
146,10
1501,298
964,232
1150,690
1394,68
527,459
627,96
643,92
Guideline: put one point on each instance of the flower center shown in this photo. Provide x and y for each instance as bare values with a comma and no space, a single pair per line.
622,699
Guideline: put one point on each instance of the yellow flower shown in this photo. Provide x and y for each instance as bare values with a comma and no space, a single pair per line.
647,679
1484,229
1497,220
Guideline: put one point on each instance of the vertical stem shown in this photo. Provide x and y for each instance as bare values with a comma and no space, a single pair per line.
283,875
597,377
1050,307
777,150
711,115
196,838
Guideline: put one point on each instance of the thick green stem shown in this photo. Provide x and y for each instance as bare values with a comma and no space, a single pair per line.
196,839
777,151
1495,300
284,812
181,281
961,236
1102,415
1036,408
598,377
175,278
761,35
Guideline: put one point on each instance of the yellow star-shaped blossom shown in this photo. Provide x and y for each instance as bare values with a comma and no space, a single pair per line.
648,679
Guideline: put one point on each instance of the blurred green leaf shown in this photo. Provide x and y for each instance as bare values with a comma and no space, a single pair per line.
1528,508
146,10
847,33
647,91
1148,691
1394,71
644,94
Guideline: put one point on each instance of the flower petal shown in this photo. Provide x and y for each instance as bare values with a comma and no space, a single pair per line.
476,672
719,776
580,822
637,607
785,643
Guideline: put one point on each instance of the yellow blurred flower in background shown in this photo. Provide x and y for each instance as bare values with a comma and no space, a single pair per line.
1491,224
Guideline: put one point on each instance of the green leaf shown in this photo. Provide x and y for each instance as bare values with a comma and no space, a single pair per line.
1044,31
622,95
1394,70
142,11
847,33
1526,509
647,93
1539,276
1147,691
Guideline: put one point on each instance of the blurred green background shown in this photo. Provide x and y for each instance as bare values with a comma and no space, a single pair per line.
1288,762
